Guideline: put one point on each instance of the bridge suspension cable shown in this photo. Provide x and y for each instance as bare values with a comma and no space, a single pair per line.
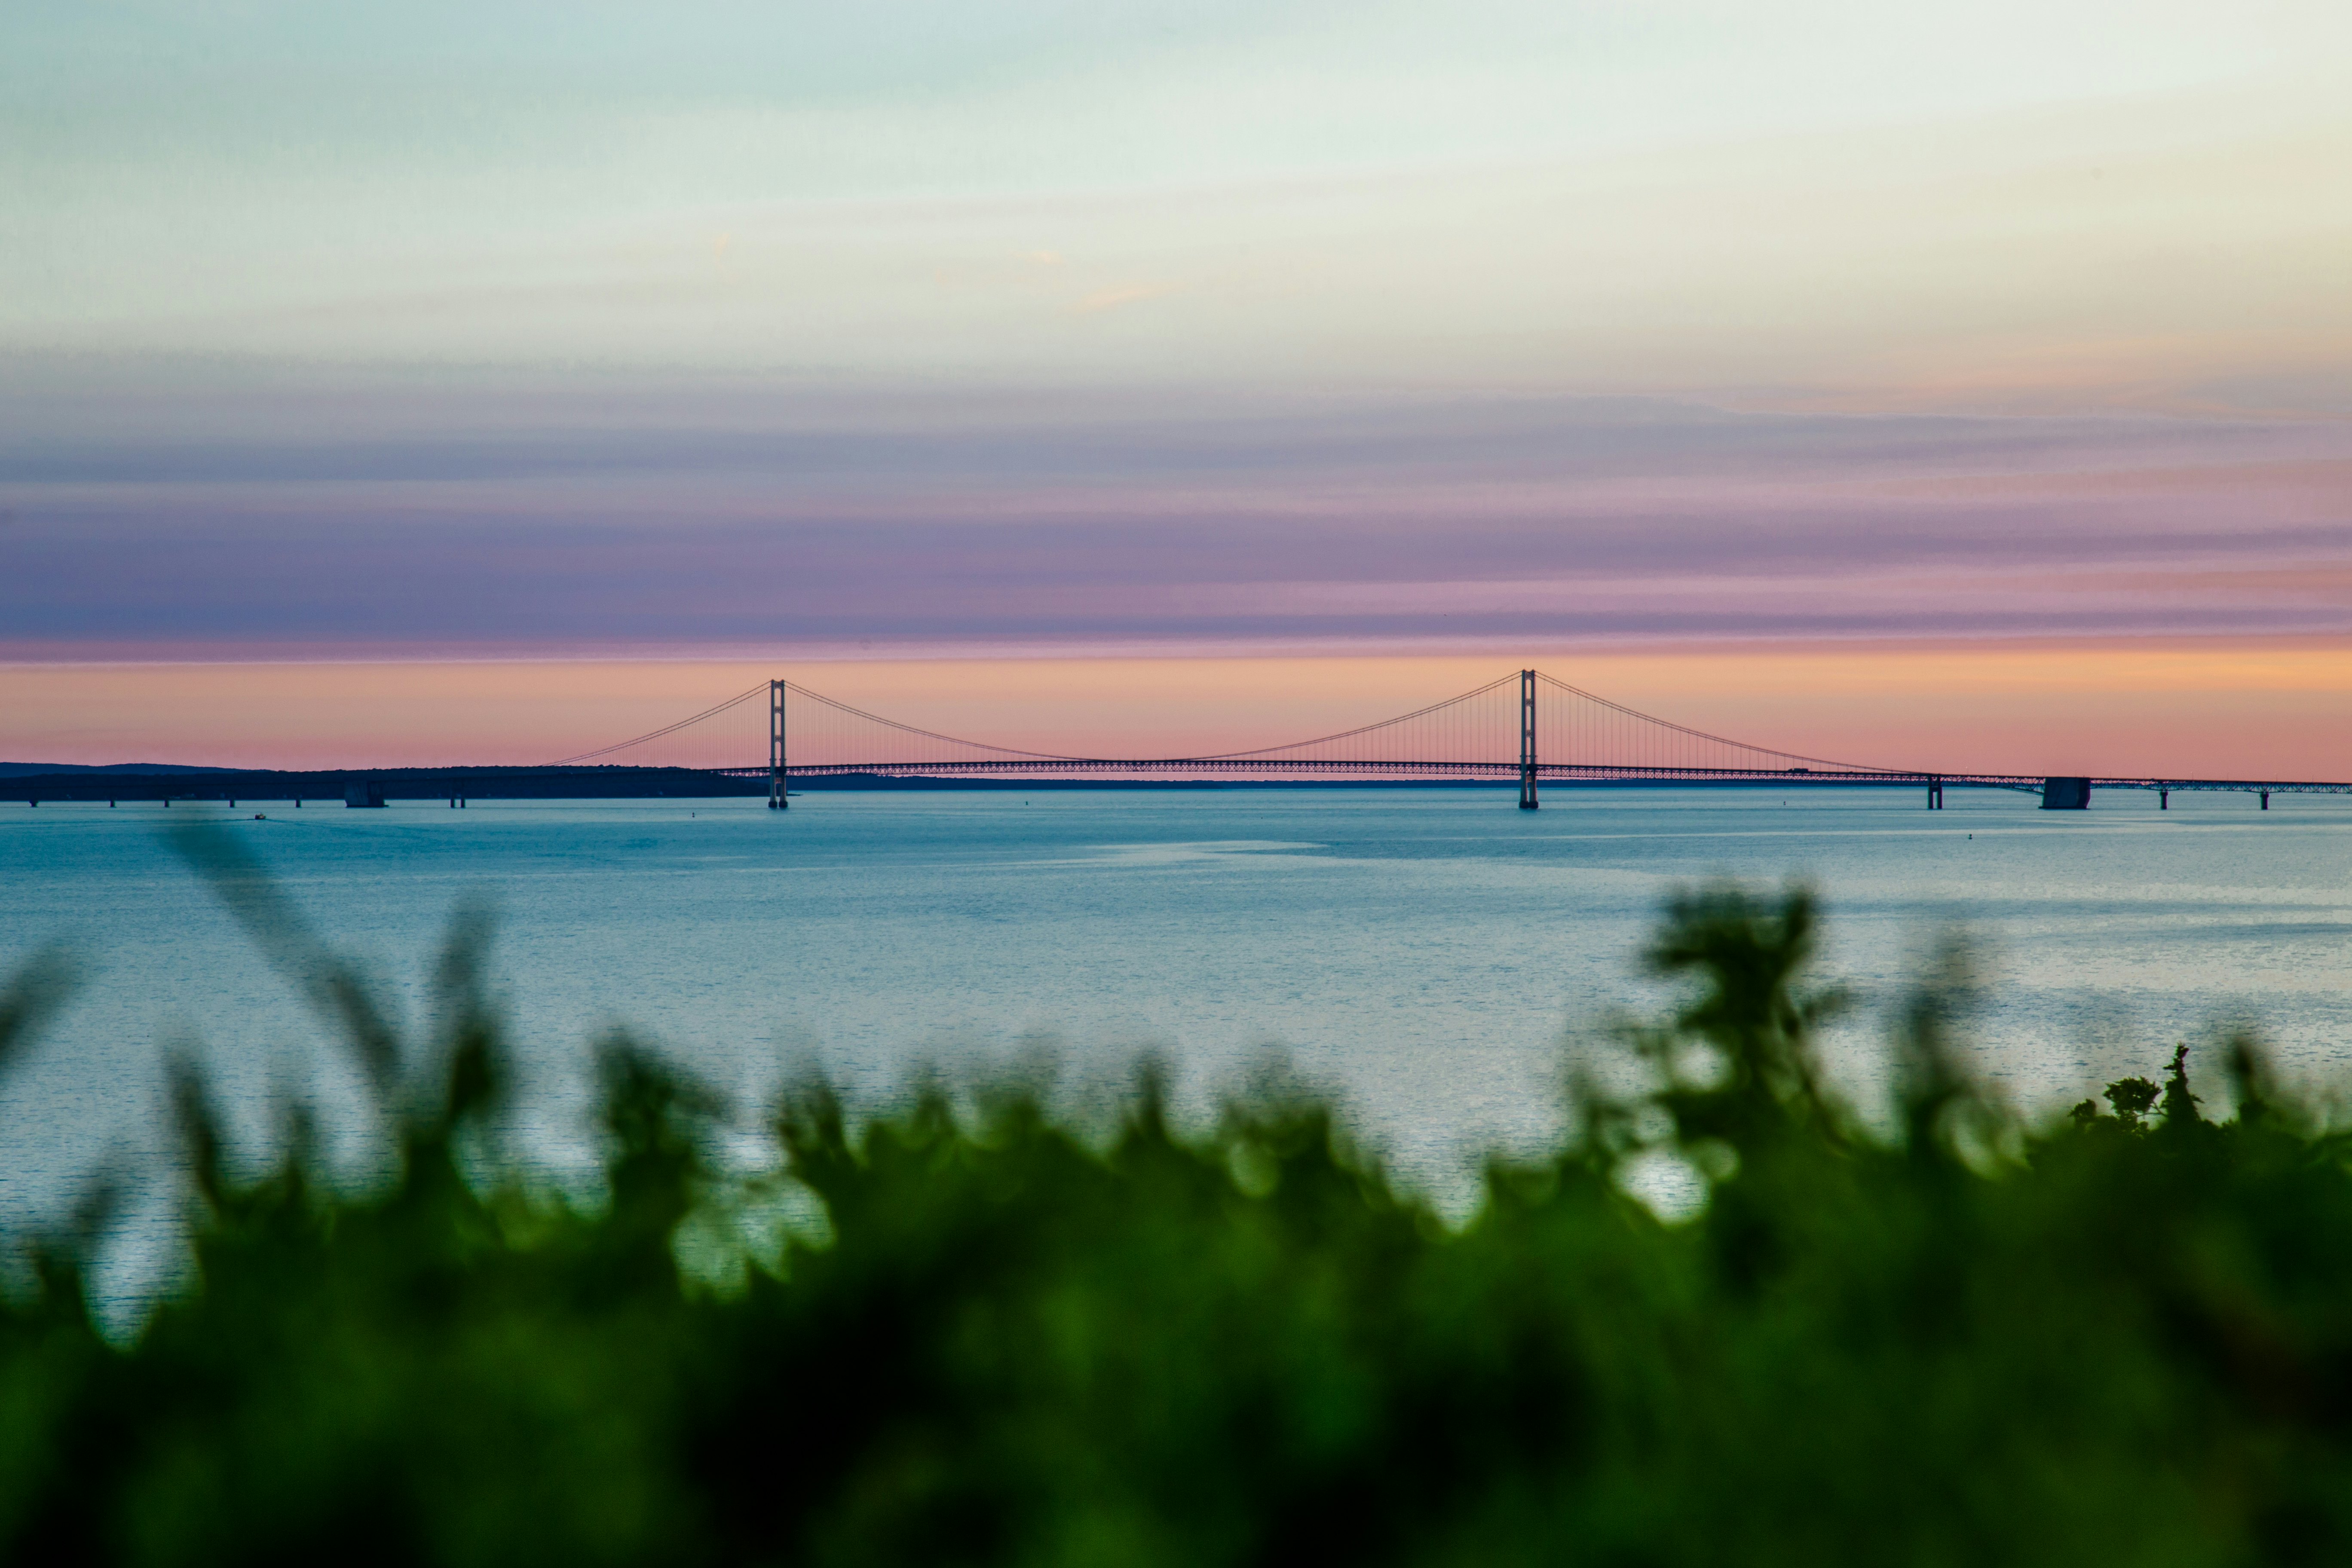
1362,729
1499,727
797,690
1685,732
742,696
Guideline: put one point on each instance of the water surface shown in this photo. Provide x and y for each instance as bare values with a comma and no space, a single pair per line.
1422,951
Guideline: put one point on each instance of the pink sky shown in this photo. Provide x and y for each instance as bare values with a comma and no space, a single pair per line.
1853,379
2270,708
506,575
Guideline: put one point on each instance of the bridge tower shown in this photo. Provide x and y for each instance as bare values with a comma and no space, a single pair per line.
1527,740
776,791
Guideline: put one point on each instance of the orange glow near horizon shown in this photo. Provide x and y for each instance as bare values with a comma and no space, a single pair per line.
2245,708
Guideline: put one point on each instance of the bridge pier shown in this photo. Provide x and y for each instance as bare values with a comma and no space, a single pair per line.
2163,800
1528,741
1934,795
2266,800
777,792
2065,794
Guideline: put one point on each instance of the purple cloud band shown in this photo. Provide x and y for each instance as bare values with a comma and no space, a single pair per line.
537,520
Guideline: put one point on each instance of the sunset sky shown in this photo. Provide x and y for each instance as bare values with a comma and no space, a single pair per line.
1957,386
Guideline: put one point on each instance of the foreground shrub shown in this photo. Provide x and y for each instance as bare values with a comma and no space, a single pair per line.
982,1338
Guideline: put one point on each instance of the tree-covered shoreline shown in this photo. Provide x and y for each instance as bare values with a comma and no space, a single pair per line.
986,1338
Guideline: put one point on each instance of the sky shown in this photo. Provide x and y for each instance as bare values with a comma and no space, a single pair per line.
524,366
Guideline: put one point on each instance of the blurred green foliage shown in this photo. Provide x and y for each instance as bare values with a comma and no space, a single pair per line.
981,1338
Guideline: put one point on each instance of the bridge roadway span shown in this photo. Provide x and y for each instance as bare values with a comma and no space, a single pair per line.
375,786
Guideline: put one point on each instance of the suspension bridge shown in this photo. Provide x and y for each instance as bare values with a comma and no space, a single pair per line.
1527,726
1524,727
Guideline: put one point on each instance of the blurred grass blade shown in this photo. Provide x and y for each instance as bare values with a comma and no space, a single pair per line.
34,994
333,985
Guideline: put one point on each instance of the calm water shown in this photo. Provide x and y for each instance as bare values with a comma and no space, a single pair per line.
1426,951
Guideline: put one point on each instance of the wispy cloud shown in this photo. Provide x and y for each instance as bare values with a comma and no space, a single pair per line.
1120,294
1795,319
620,515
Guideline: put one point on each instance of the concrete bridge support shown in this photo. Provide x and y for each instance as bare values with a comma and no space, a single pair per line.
1527,740
2065,794
777,792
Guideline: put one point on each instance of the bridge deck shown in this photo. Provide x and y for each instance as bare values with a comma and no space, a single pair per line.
328,787
1503,724
1558,772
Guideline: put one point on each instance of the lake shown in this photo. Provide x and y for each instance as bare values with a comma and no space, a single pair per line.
1425,952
